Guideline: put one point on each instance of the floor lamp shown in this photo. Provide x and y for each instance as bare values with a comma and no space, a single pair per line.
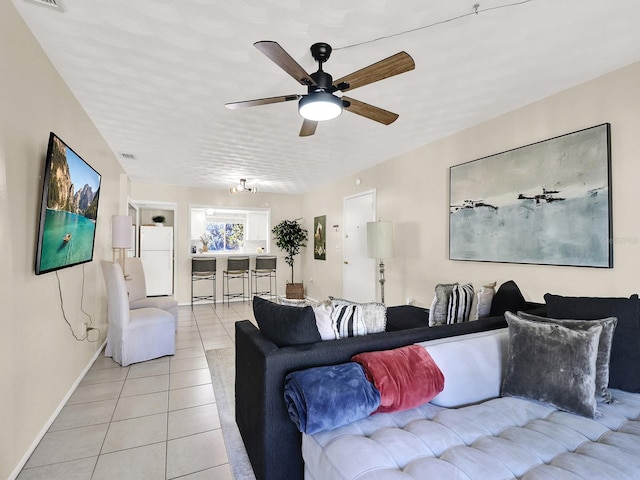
380,246
121,238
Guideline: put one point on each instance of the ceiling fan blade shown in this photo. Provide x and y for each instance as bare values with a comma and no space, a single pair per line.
280,57
261,101
308,128
369,111
394,65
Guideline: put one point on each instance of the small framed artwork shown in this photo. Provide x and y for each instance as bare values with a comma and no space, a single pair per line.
319,238
548,203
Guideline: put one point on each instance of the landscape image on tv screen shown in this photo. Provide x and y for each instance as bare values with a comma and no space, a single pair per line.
69,209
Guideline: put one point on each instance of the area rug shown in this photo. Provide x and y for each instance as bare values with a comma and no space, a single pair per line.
222,368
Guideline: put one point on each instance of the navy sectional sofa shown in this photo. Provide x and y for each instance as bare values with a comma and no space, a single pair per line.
271,439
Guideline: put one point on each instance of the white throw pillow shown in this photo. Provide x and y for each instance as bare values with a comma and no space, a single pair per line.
431,309
482,301
325,324
473,366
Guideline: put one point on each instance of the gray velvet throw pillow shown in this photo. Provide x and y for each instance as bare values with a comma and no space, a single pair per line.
443,292
552,364
604,347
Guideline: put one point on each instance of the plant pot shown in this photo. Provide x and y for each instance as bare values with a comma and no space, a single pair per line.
295,291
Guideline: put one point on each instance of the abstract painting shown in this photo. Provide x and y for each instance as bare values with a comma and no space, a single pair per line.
547,203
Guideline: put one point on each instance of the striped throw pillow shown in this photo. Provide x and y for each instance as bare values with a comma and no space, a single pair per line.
374,315
460,301
348,321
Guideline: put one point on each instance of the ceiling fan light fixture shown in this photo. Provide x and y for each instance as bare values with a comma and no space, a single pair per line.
320,106
242,188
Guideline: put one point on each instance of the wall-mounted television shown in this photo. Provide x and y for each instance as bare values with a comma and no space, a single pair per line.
69,209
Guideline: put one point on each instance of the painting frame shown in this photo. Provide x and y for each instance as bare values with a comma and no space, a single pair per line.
546,203
320,237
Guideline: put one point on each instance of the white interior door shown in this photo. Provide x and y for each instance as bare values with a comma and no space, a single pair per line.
359,271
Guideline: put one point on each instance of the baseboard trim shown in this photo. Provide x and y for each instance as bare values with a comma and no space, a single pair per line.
209,302
34,445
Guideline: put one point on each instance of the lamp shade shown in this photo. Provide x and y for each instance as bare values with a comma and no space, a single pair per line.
320,106
121,231
380,239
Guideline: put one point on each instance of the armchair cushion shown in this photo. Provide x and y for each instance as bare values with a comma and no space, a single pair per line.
136,285
137,289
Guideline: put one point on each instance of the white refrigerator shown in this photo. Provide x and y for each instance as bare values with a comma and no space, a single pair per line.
156,252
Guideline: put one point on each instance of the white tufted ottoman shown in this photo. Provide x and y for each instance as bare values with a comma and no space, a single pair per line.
496,439
503,438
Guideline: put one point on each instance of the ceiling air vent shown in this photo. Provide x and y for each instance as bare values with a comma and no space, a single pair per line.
128,156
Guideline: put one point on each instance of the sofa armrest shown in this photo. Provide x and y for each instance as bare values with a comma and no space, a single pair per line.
261,415
253,350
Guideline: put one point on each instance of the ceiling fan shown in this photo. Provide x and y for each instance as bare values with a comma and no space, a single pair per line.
320,103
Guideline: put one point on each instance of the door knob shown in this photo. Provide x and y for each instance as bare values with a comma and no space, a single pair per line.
346,262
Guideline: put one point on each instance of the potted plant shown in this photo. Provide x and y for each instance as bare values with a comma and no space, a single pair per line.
205,238
158,220
291,237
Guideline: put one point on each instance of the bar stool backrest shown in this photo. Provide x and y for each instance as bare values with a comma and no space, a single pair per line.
266,263
203,266
238,264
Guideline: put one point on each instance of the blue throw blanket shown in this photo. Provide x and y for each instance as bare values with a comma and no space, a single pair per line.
323,398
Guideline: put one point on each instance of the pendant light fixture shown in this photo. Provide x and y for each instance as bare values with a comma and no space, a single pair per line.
242,188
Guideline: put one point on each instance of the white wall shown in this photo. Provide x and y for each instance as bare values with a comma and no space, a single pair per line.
413,191
39,358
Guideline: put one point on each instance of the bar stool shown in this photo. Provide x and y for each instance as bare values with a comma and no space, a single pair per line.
203,269
265,268
237,268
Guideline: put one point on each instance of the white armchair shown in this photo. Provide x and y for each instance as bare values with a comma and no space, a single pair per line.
137,288
134,335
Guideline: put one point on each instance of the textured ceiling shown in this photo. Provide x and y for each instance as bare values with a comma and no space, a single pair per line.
154,76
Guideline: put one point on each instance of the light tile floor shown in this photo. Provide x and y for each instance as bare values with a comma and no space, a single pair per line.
151,420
